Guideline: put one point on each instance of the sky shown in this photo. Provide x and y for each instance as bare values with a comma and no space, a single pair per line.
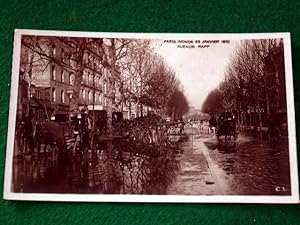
199,69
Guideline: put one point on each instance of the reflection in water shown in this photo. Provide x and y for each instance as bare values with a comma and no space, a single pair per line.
121,167
244,167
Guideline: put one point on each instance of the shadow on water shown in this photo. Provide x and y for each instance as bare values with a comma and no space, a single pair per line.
119,167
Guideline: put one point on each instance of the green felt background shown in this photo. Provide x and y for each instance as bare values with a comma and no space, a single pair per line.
143,16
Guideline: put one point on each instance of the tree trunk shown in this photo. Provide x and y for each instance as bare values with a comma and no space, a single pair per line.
78,78
109,112
260,125
137,110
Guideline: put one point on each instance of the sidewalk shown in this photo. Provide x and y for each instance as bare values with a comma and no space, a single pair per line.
198,174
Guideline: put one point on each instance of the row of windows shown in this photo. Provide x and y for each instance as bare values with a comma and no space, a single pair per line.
64,57
88,95
90,58
60,75
85,95
65,77
88,80
91,80
62,96
69,78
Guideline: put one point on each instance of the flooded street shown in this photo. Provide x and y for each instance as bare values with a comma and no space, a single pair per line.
243,167
201,165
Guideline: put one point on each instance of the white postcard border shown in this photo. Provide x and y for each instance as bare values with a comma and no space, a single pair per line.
293,198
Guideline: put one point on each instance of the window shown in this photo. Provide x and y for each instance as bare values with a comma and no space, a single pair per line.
97,82
90,95
90,79
87,94
62,55
62,76
71,78
83,93
85,77
96,97
53,72
53,50
105,88
62,96
100,98
53,95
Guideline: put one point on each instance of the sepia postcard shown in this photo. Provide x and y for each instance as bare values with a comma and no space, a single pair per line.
135,117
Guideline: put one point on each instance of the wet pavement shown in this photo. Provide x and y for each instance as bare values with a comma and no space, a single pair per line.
243,167
201,165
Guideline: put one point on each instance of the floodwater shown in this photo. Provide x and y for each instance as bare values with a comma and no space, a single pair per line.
252,167
200,166
121,167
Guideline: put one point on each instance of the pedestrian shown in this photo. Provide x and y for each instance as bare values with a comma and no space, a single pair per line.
212,125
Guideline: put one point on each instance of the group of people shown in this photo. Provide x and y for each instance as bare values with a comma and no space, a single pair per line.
32,133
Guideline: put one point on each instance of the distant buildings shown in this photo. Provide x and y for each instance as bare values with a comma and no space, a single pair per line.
196,114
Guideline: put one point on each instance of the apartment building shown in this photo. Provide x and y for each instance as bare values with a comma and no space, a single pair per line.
53,80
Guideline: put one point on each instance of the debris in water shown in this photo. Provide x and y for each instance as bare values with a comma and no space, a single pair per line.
209,182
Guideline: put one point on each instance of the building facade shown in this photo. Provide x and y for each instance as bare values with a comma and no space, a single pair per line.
53,77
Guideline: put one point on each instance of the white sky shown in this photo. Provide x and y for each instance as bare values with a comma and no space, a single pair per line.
199,69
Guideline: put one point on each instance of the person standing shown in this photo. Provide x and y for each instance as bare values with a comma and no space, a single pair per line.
212,124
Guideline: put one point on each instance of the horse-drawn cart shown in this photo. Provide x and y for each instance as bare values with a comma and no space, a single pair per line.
228,129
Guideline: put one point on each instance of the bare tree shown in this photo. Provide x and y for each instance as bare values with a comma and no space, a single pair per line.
177,104
254,79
